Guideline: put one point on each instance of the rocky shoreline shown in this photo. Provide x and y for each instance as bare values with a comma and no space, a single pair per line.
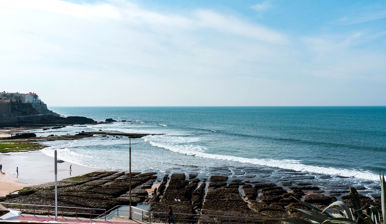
193,198
42,120
224,194
27,110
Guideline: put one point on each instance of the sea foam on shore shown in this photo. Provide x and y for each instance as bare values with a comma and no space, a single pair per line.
251,143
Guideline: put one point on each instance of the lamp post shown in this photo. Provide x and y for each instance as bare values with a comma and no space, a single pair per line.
56,186
130,210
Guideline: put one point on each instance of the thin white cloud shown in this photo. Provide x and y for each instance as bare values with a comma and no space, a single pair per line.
262,6
134,15
364,15
236,26
87,11
61,34
342,57
102,53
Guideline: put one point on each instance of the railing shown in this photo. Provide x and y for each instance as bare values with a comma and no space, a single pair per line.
138,214
49,210
124,211
152,216
210,218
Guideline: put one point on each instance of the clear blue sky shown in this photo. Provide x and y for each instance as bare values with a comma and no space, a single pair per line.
195,53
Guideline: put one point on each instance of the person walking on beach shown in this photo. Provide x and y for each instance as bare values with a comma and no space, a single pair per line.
17,172
1,168
70,169
170,215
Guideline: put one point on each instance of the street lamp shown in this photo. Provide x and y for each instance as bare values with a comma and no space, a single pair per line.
132,135
56,186
130,210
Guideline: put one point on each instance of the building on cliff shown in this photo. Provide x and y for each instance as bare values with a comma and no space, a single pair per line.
20,97
26,109
22,103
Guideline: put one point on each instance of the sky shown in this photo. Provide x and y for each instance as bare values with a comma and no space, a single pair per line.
195,53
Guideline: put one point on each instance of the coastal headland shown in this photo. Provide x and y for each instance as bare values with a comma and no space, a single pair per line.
27,110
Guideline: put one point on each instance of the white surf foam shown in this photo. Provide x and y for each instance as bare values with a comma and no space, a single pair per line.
97,142
176,143
67,155
295,165
171,139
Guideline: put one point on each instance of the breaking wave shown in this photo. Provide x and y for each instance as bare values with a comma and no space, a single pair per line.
199,151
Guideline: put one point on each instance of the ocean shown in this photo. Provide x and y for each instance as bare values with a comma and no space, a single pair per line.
329,146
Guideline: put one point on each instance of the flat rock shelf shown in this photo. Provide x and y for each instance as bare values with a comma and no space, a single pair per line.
193,198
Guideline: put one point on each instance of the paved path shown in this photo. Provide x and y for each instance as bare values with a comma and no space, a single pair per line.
70,220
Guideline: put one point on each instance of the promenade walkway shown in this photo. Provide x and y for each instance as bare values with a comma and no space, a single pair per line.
32,218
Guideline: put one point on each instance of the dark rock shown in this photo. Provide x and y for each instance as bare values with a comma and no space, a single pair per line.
309,188
110,120
177,176
287,183
57,127
94,190
319,199
264,185
363,200
218,178
360,188
192,175
249,192
287,200
23,136
303,184
177,194
49,119
77,120
273,191
304,188
292,212
225,200
198,196
235,183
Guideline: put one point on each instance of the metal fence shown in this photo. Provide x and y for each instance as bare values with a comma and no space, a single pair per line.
162,217
122,213
49,210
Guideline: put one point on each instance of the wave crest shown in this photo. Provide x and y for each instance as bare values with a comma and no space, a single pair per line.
199,151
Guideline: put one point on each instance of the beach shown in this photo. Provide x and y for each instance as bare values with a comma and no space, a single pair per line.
7,132
34,168
8,185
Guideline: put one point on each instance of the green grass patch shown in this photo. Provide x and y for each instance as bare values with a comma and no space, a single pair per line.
26,191
78,179
18,146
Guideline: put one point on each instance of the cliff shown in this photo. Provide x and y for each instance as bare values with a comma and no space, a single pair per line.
18,110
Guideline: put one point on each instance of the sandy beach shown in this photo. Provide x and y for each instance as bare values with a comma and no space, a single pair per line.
8,185
5,133
34,168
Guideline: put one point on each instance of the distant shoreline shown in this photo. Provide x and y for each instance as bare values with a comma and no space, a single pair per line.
34,167
283,106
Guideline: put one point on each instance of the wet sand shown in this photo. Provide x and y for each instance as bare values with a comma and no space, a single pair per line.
9,184
34,168
5,133
37,168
